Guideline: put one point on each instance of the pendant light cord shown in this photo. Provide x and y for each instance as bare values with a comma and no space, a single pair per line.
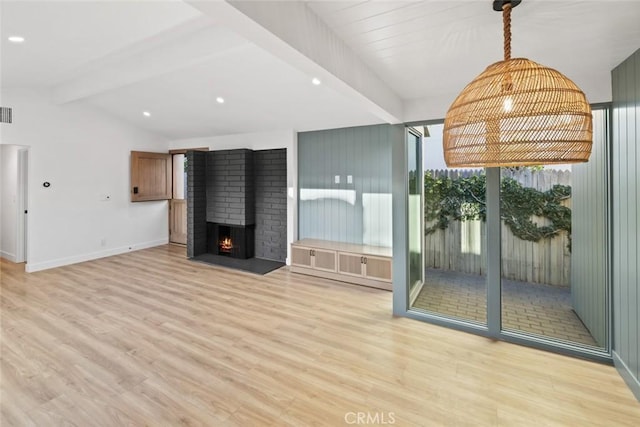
506,22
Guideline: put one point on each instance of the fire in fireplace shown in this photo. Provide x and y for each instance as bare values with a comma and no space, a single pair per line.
231,240
225,242
226,245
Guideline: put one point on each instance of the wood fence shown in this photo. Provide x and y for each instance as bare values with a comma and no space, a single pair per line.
462,245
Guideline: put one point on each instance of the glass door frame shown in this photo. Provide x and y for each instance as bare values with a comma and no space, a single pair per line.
493,328
410,131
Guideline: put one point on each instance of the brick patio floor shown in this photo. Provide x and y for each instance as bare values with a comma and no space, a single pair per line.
530,307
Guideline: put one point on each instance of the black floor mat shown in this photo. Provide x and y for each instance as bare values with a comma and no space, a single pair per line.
252,265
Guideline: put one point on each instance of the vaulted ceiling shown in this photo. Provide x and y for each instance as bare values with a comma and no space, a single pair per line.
378,61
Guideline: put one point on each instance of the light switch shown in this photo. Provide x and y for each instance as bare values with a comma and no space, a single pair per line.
349,179
336,179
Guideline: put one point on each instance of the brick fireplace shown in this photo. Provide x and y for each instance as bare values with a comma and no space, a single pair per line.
230,203
237,204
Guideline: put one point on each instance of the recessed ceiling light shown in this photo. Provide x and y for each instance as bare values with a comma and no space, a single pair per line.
146,114
16,39
220,100
316,81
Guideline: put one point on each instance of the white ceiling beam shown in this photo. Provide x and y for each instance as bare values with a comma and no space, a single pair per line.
294,33
183,46
429,108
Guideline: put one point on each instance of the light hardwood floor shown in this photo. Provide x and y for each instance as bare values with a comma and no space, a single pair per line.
149,338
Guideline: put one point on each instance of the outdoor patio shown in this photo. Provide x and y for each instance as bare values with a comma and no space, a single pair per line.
528,307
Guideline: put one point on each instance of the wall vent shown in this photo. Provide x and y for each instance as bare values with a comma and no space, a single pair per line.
5,115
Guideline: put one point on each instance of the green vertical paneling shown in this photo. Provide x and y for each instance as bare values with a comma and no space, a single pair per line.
362,152
626,213
615,212
633,104
589,234
400,188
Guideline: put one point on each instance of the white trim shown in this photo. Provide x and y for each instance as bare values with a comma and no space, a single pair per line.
632,382
33,267
7,256
292,193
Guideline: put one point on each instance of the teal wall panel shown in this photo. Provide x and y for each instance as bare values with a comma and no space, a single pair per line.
626,218
400,187
356,212
589,233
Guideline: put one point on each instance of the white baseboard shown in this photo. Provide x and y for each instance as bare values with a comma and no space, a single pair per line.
627,375
8,256
44,265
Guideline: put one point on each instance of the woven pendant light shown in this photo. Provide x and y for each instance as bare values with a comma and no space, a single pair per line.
517,113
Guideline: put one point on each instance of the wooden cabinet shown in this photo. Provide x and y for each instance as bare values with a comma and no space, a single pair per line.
359,264
350,264
377,268
318,259
301,256
324,260
150,176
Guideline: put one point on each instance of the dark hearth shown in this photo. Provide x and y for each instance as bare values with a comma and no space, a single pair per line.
235,241
252,265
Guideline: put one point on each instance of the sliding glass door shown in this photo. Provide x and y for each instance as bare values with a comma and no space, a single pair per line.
454,237
516,253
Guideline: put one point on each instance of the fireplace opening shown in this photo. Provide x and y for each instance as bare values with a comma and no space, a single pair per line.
235,241
225,242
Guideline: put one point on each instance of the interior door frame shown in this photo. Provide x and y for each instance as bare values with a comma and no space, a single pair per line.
22,206
171,200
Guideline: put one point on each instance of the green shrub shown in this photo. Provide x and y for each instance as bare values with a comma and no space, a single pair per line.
463,199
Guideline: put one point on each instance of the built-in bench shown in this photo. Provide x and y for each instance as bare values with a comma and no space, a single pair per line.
346,262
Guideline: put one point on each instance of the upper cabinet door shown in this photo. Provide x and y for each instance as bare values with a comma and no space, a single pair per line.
150,176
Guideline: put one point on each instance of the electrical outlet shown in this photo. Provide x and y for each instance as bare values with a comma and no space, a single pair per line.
349,179
336,179
103,242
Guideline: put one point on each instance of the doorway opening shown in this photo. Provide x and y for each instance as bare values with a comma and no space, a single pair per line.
15,177
178,202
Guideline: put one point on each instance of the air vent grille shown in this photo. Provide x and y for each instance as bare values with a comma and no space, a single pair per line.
5,115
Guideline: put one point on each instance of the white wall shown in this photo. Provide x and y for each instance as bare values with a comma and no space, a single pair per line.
261,141
8,195
84,154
